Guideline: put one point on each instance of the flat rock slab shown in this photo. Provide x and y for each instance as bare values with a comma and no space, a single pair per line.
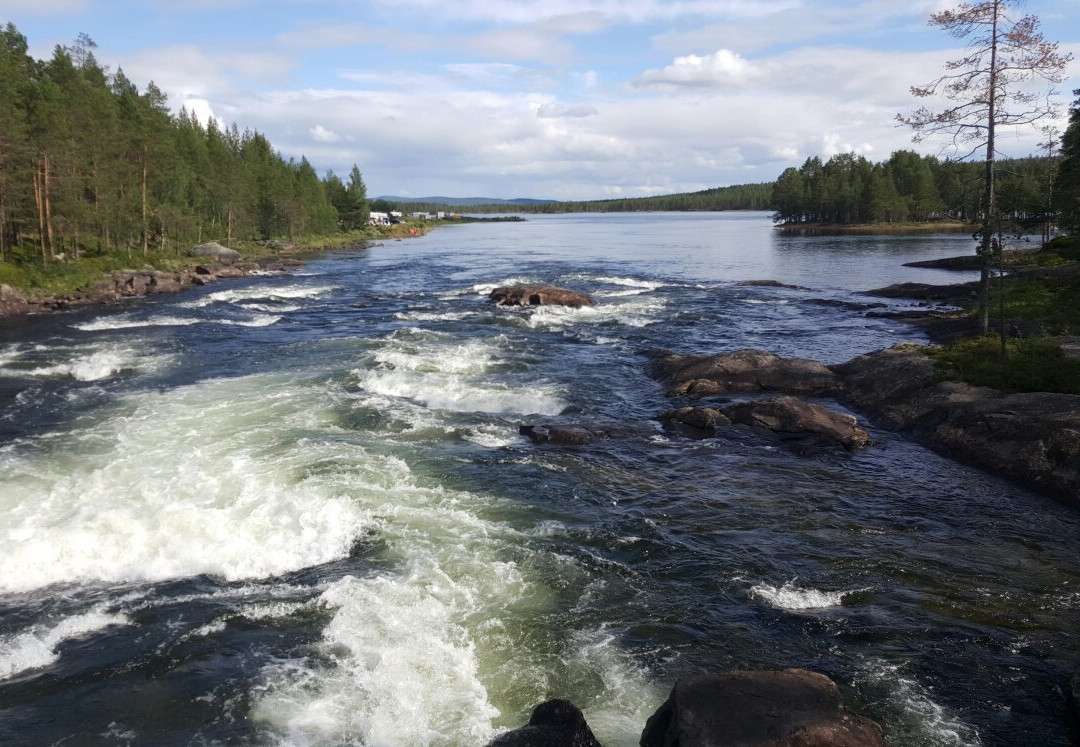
1034,436
539,295
741,708
742,371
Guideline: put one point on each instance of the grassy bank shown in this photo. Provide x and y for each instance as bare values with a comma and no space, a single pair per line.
1040,302
1031,364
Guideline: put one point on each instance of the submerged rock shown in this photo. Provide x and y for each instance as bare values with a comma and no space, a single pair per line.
786,707
768,284
742,371
555,723
576,434
539,295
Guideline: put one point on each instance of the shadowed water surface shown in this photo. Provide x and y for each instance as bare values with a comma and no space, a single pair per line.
297,510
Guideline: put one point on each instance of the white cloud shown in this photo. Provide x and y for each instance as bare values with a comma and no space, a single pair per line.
634,11
43,7
556,110
322,135
723,67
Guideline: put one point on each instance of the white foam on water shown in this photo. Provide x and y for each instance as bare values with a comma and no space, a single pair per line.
128,321
433,316
36,647
791,597
201,479
484,289
259,320
493,436
462,394
630,282
261,293
760,302
441,374
919,720
97,364
638,313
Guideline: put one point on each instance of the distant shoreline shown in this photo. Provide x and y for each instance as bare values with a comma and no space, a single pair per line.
872,228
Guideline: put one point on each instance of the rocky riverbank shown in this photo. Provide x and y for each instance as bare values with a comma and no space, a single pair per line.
127,284
1032,437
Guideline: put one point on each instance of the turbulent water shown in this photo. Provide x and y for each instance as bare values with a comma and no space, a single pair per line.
297,509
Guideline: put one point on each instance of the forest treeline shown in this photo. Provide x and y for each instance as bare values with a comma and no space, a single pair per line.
736,197
909,188
89,164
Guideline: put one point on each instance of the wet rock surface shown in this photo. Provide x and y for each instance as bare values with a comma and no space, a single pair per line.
1033,437
579,434
743,708
788,417
555,723
742,371
539,295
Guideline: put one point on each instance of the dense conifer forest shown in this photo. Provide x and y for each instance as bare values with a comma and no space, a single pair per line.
909,188
89,164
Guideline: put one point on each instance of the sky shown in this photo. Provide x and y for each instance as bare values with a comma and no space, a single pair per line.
557,99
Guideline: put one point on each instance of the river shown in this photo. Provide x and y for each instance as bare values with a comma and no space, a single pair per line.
297,509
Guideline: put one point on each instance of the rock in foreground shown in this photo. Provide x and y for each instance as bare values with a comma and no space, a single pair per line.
539,295
556,723
742,371
787,707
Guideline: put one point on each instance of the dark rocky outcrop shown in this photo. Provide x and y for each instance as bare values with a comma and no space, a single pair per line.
847,305
794,416
704,418
785,416
216,251
1034,436
768,284
953,295
555,723
578,434
539,295
742,371
788,707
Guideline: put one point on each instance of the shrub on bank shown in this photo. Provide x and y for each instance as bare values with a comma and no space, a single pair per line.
1032,364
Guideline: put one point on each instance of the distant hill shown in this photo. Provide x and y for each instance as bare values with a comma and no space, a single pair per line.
735,197
462,201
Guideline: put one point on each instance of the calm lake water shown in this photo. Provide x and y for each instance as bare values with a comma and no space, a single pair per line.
297,509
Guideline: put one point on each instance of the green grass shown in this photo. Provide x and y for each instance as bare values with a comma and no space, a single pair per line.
1032,364
1051,300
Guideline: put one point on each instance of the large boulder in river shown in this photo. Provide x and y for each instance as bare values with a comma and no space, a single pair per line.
742,371
539,295
789,415
555,723
792,707
216,251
